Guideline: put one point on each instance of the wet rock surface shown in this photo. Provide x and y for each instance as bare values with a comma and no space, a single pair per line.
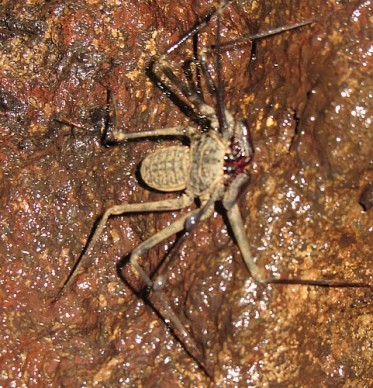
307,98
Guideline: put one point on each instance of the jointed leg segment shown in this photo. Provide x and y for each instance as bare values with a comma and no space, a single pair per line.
235,220
170,131
165,205
163,303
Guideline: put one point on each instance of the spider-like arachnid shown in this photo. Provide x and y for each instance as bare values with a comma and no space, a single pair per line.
212,168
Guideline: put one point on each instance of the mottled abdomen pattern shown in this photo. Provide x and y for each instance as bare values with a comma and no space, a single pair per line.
167,169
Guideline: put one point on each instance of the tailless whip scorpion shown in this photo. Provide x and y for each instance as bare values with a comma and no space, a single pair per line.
211,168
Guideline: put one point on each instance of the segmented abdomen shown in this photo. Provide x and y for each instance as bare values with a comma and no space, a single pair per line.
167,169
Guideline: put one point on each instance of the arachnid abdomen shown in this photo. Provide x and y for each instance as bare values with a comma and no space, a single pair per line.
167,169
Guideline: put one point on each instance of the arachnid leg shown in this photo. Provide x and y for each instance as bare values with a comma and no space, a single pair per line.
156,286
179,131
238,228
116,136
166,205
235,220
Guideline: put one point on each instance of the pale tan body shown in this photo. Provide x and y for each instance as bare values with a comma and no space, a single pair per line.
198,171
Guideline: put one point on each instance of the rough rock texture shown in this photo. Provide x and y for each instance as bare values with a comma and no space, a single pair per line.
307,98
